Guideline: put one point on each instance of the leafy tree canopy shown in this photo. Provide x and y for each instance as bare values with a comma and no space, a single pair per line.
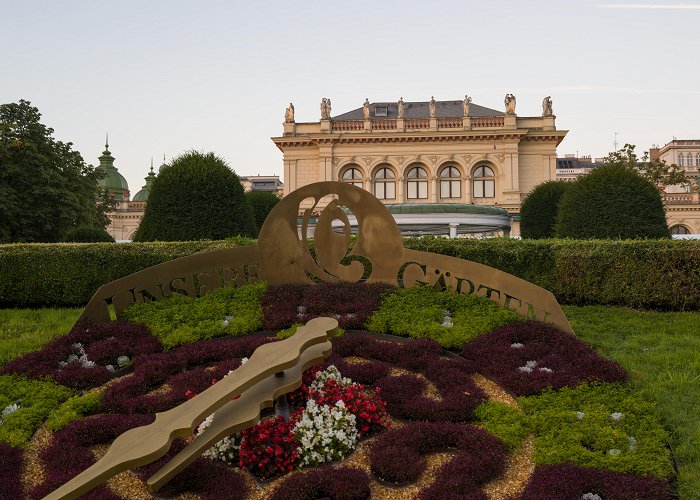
87,234
195,197
658,172
46,188
612,202
262,203
538,213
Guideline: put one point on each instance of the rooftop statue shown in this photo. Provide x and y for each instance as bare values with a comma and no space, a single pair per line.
365,109
465,105
399,106
325,109
431,107
510,104
547,106
289,114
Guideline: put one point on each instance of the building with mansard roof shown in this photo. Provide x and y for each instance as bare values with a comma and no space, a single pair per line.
440,152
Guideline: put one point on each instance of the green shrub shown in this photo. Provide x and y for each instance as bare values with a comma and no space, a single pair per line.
177,319
68,274
197,196
612,202
538,214
648,274
420,312
36,399
636,443
74,408
262,203
505,422
87,234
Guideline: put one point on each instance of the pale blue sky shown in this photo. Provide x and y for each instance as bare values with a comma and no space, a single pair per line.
163,77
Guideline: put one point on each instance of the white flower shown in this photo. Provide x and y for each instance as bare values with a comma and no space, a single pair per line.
447,323
613,452
528,367
243,361
632,443
517,345
580,415
10,409
225,450
617,417
110,368
325,433
224,323
86,363
545,369
123,361
77,346
62,363
72,358
228,317
591,496
301,309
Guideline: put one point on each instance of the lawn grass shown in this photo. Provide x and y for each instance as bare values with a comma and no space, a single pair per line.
661,353
25,330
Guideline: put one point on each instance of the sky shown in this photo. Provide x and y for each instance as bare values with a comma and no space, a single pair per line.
164,77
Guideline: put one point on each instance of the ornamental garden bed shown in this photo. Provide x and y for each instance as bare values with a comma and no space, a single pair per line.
426,394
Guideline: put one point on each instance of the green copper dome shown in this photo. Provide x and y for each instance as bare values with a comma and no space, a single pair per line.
113,181
145,190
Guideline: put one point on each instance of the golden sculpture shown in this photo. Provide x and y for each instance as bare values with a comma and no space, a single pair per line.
256,384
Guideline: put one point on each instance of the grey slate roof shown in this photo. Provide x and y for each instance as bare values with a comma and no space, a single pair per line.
443,109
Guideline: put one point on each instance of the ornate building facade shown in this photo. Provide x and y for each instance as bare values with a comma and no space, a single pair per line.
425,152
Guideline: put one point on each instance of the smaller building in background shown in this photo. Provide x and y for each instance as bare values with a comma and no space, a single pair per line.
269,183
571,166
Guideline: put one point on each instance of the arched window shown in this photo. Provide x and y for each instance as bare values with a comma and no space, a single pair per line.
450,183
483,183
352,176
384,184
697,159
680,159
678,229
416,183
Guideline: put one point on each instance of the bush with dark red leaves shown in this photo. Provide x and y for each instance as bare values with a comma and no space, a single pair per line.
69,452
350,303
554,482
397,456
10,472
527,357
183,369
102,344
342,483
459,395
364,373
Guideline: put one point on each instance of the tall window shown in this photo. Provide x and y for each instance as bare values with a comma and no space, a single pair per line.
680,159
450,183
352,176
678,229
416,183
384,184
483,183
697,159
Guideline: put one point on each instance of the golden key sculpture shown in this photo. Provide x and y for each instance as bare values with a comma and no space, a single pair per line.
256,384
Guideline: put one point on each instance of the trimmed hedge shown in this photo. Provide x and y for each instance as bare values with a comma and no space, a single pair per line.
68,274
648,274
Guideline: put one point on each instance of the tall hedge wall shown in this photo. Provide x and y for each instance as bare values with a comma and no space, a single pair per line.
649,274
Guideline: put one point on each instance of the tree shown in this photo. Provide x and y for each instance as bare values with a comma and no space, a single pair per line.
262,202
538,214
197,196
613,201
87,234
658,172
45,187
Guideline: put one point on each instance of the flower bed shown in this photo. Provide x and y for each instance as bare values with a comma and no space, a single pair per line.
87,356
602,432
527,357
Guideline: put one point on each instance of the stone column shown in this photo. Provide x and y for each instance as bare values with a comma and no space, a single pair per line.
433,189
399,191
